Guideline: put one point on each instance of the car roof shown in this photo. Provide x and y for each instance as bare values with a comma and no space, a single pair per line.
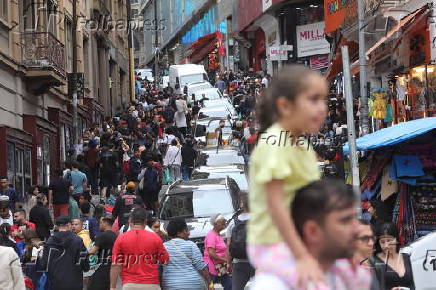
183,186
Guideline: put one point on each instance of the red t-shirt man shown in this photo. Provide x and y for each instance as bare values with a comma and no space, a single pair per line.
15,227
139,252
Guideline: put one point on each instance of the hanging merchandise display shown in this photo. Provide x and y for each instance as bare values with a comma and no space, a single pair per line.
379,105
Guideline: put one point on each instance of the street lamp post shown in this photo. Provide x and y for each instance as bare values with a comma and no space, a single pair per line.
156,45
364,119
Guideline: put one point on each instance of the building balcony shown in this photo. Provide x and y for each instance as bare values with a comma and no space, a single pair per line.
44,58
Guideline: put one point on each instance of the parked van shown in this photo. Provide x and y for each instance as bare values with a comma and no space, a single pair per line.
184,74
145,73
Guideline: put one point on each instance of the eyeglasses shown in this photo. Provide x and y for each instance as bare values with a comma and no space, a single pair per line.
366,239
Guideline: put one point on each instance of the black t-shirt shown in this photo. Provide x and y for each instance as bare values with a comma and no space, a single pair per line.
61,190
105,242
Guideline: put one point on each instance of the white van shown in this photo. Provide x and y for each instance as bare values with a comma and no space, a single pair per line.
184,74
145,73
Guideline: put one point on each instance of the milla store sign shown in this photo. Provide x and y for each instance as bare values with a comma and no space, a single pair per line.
311,40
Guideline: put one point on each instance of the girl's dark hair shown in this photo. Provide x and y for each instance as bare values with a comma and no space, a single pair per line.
5,229
386,229
289,83
151,220
176,226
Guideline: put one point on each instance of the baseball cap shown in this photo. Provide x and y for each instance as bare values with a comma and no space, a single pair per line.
4,201
131,185
63,221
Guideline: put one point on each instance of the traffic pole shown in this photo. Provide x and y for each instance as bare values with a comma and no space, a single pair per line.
364,119
350,125
131,53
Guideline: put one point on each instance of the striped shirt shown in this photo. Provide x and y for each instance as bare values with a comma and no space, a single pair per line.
185,262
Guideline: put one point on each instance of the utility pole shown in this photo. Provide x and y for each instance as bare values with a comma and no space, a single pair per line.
156,45
75,78
364,119
131,53
350,124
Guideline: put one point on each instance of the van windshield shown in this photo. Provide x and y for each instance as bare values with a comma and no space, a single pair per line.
190,79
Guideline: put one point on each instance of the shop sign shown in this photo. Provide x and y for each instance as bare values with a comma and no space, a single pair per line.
319,61
311,40
277,53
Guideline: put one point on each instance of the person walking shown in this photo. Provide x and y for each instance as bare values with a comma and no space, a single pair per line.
136,255
92,156
40,216
89,223
237,258
188,159
65,257
148,187
20,224
173,160
59,195
215,253
78,181
77,227
186,269
102,247
10,192
11,275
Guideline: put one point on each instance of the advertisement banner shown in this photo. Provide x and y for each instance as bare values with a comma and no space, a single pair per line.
311,40
319,61
277,53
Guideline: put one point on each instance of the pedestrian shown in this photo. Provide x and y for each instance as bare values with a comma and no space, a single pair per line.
186,269
154,224
392,268
148,187
110,167
10,192
173,160
65,257
237,258
87,198
20,224
31,198
102,247
188,159
92,156
6,216
136,255
180,115
125,203
78,181
77,227
220,84
294,107
5,237
215,253
59,194
89,223
11,275
135,165
40,216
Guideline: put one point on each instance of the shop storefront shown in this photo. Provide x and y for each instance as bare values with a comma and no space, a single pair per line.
16,156
44,153
398,178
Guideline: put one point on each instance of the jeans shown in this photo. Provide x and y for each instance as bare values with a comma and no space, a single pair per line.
242,272
186,172
175,172
93,180
225,280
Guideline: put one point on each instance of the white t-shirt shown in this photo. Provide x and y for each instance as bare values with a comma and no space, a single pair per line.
9,220
180,119
265,82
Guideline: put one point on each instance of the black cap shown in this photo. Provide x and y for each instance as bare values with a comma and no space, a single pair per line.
63,221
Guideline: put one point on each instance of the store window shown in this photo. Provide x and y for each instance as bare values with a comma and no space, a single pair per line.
19,167
11,162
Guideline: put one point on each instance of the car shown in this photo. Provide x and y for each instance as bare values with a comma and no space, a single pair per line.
216,157
209,93
197,201
235,172
224,102
185,74
209,125
195,88
222,112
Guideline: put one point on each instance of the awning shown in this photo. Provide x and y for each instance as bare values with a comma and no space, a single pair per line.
394,135
336,66
205,45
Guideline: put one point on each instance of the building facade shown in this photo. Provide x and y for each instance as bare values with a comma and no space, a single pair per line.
39,48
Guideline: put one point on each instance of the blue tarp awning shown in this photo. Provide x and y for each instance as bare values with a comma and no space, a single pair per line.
394,135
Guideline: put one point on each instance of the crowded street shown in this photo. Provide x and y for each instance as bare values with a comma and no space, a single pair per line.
232,144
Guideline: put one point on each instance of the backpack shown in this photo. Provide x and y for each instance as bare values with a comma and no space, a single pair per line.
238,243
150,180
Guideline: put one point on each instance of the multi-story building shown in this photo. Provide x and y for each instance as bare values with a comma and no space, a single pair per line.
39,47
138,35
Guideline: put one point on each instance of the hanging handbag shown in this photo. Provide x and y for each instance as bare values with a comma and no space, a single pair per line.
166,179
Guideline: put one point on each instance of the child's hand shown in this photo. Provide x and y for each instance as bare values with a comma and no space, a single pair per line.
308,272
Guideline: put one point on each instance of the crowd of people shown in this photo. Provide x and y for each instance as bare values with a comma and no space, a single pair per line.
96,221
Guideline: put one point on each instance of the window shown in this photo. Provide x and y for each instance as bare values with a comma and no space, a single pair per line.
19,167
51,17
28,15
11,162
4,10
46,159
69,44
86,60
134,13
